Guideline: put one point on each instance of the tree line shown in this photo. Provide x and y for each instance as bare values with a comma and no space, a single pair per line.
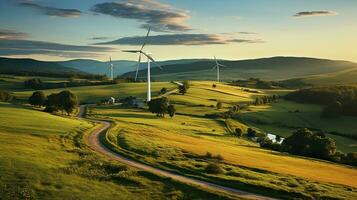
38,84
337,100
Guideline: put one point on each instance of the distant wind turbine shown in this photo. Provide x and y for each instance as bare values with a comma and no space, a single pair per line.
149,59
217,66
111,68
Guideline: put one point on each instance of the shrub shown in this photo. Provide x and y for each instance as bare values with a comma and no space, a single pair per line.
213,168
219,105
171,110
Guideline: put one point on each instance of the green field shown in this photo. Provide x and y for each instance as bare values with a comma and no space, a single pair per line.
180,145
45,157
281,118
93,94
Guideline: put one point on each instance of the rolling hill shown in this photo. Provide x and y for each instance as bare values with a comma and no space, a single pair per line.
275,68
120,66
31,67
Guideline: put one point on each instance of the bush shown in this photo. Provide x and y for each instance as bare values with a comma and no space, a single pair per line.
213,168
171,110
5,96
219,105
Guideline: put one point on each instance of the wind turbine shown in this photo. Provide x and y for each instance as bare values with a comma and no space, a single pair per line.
111,68
217,67
149,59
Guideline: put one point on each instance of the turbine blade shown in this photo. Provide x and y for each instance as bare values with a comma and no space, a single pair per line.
146,39
137,67
152,60
132,51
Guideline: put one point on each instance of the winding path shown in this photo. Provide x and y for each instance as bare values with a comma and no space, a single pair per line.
96,145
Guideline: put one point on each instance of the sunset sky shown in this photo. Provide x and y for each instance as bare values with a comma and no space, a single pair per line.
228,29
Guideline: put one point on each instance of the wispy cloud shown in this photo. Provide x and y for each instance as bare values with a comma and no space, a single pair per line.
28,47
6,34
180,39
160,17
51,11
100,38
320,13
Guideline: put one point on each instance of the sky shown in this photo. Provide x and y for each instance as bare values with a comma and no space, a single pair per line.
229,29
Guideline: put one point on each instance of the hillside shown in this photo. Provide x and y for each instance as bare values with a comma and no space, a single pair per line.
275,68
33,67
120,66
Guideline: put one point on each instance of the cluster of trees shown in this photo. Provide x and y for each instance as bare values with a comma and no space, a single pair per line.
184,87
307,143
63,101
266,99
38,84
5,96
338,100
161,106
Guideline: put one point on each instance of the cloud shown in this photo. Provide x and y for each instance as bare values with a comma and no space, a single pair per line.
314,14
28,47
160,17
100,38
52,11
6,34
179,39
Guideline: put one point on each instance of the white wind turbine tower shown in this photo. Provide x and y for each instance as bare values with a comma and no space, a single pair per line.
217,66
111,68
149,59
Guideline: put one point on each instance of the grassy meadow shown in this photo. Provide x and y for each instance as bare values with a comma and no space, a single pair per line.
45,157
93,94
181,144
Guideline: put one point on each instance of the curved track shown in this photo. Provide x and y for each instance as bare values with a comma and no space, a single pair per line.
96,145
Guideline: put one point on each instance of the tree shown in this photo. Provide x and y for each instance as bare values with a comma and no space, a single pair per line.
163,90
171,110
159,106
239,132
251,133
38,98
219,105
184,87
68,101
52,103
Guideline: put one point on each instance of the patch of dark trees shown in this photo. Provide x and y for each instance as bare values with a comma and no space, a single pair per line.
38,84
64,101
263,84
337,100
304,142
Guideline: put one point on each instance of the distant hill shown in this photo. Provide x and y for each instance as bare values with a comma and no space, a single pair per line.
31,67
120,66
275,68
